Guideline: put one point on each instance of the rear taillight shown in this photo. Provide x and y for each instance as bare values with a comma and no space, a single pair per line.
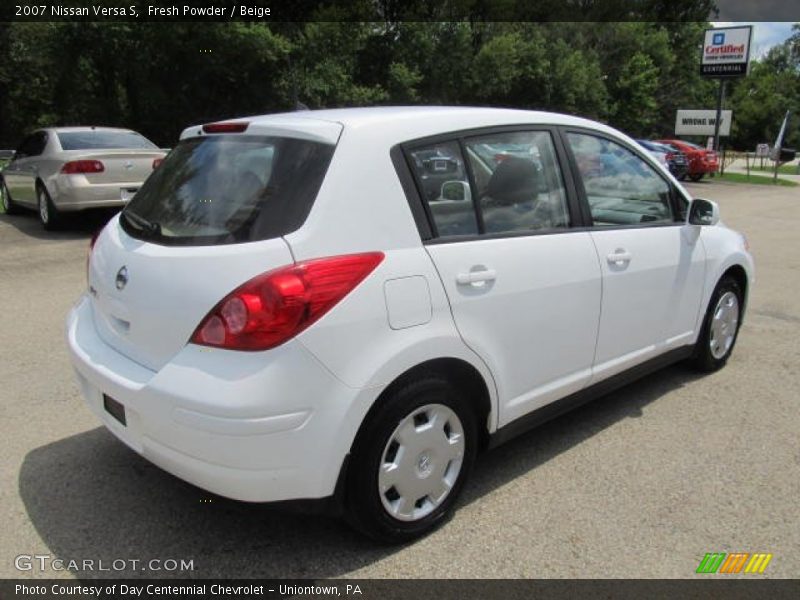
82,166
229,127
156,162
274,307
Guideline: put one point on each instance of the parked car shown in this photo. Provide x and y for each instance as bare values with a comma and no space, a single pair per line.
279,314
669,156
64,169
701,160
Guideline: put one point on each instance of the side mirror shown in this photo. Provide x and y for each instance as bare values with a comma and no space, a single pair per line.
456,190
703,212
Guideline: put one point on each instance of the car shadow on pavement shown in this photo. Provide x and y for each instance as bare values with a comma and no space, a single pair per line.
76,226
90,497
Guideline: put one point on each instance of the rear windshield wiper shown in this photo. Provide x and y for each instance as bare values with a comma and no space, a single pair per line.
152,228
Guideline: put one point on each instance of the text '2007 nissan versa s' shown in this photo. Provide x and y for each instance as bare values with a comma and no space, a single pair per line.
350,304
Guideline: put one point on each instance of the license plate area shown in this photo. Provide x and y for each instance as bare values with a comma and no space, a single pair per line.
115,409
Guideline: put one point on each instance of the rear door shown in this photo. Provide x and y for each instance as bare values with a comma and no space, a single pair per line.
21,174
523,285
653,264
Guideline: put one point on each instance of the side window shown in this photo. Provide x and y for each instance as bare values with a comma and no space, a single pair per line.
621,188
33,145
445,187
518,181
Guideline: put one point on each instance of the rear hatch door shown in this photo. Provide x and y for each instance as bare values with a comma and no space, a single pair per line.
210,218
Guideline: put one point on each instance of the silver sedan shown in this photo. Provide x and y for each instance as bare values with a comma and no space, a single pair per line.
63,169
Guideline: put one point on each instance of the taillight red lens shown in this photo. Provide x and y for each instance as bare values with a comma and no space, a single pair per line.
229,127
156,162
272,308
82,166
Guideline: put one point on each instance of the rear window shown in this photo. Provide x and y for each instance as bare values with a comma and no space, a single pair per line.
103,140
228,189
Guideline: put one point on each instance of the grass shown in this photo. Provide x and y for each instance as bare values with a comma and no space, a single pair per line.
754,179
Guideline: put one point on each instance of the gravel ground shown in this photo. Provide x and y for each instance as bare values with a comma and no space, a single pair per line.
639,484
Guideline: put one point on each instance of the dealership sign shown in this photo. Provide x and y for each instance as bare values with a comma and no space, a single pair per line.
701,122
726,51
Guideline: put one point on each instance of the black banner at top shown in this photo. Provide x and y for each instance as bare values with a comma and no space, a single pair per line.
396,10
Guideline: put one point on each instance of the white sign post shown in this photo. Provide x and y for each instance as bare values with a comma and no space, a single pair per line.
702,122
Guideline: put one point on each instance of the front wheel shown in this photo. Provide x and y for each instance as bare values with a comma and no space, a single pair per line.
720,327
410,461
9,207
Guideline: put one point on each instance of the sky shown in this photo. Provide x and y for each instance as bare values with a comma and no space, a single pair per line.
765,35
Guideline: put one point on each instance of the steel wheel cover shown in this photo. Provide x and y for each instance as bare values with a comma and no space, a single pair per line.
724,323
421,462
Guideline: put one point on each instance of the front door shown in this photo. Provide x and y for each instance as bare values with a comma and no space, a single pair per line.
653,264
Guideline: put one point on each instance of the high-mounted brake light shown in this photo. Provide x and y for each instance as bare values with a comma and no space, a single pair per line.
229,127
275,306
82,166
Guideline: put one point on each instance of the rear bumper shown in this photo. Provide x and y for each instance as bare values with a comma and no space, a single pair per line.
250,426
75,192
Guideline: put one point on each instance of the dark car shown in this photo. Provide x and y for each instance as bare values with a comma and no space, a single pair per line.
676,161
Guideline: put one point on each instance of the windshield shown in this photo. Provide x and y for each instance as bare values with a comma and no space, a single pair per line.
228,189
103,140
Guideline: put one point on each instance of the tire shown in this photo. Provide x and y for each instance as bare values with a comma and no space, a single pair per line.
49,216
9,206
720,327
695,176
400,504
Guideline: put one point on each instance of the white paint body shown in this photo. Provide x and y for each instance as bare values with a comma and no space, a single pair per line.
276,425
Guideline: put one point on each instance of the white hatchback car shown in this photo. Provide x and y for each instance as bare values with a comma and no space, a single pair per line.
348,305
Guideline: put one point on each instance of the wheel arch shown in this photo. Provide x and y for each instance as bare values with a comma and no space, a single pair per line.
465,377
738,273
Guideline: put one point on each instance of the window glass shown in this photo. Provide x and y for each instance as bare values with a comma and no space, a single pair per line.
226,189
518,181
99,139
33,145
445,187
621,188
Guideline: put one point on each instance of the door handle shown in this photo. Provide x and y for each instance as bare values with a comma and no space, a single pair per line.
476,277
619,256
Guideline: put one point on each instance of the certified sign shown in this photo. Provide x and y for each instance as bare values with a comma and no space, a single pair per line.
726,51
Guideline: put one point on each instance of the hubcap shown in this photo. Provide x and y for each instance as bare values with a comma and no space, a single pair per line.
723,325
421,462
43,210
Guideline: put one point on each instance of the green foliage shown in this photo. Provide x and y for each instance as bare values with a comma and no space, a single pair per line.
161,77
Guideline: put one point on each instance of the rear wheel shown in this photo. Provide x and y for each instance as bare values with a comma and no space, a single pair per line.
49,216
695,176
410,461
720,327
9,207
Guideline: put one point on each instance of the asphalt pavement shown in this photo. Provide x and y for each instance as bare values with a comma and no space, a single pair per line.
642,483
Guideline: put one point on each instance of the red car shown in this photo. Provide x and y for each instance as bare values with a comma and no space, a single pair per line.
701,161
